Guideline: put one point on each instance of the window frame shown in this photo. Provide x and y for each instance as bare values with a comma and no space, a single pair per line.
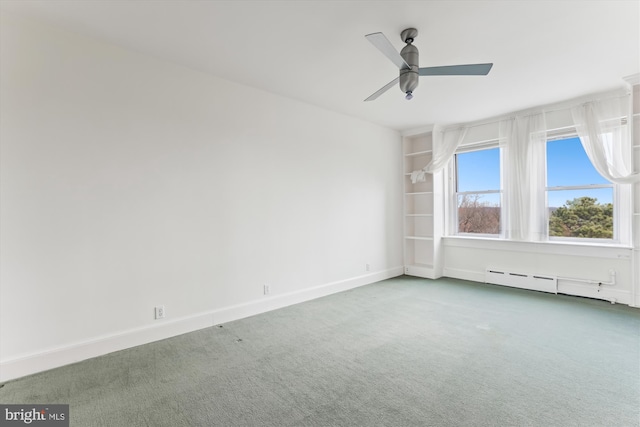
615,199
454,226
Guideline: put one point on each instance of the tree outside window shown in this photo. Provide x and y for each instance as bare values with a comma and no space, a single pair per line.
478,192
579,200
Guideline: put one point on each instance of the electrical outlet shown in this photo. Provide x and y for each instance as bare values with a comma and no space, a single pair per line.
160,313
367,267
267,289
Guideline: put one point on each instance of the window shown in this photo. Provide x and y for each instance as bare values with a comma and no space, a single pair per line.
580,202
478,194
527,177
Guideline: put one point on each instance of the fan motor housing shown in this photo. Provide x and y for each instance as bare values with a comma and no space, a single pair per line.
409,77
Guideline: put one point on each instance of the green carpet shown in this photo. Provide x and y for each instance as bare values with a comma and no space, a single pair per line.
401,352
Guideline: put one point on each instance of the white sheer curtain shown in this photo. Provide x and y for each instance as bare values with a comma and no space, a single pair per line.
523,140
444,145
605,141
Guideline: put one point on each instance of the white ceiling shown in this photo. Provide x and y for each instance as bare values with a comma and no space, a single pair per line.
315,51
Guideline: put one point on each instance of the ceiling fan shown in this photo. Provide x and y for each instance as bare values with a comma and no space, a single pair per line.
407,62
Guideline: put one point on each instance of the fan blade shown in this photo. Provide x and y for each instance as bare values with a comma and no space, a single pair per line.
383,89
457,70
384,45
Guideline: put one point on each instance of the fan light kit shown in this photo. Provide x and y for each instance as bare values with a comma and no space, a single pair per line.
407,62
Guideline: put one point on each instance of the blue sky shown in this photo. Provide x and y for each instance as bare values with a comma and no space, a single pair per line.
567,165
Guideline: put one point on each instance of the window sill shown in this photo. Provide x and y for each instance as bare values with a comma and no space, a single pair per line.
597,250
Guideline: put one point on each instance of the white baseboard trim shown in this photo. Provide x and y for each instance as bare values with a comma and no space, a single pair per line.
251,308
55,357
458,273
64,355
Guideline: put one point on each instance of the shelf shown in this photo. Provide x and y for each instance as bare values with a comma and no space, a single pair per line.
418,243
419,265
418,153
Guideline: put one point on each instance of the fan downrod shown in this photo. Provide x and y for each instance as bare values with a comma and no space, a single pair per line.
409,53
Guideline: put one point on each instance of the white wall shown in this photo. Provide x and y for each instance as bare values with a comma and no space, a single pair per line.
128,182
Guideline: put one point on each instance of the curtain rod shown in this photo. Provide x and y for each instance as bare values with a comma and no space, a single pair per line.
561,106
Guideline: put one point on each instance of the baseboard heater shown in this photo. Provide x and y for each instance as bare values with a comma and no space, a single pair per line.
536,282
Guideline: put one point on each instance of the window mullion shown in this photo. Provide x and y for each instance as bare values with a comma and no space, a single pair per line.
579,187
479,192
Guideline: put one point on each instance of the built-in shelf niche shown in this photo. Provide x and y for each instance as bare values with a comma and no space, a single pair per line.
418,186
420,242
419,226
415,162
418,203
418,253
